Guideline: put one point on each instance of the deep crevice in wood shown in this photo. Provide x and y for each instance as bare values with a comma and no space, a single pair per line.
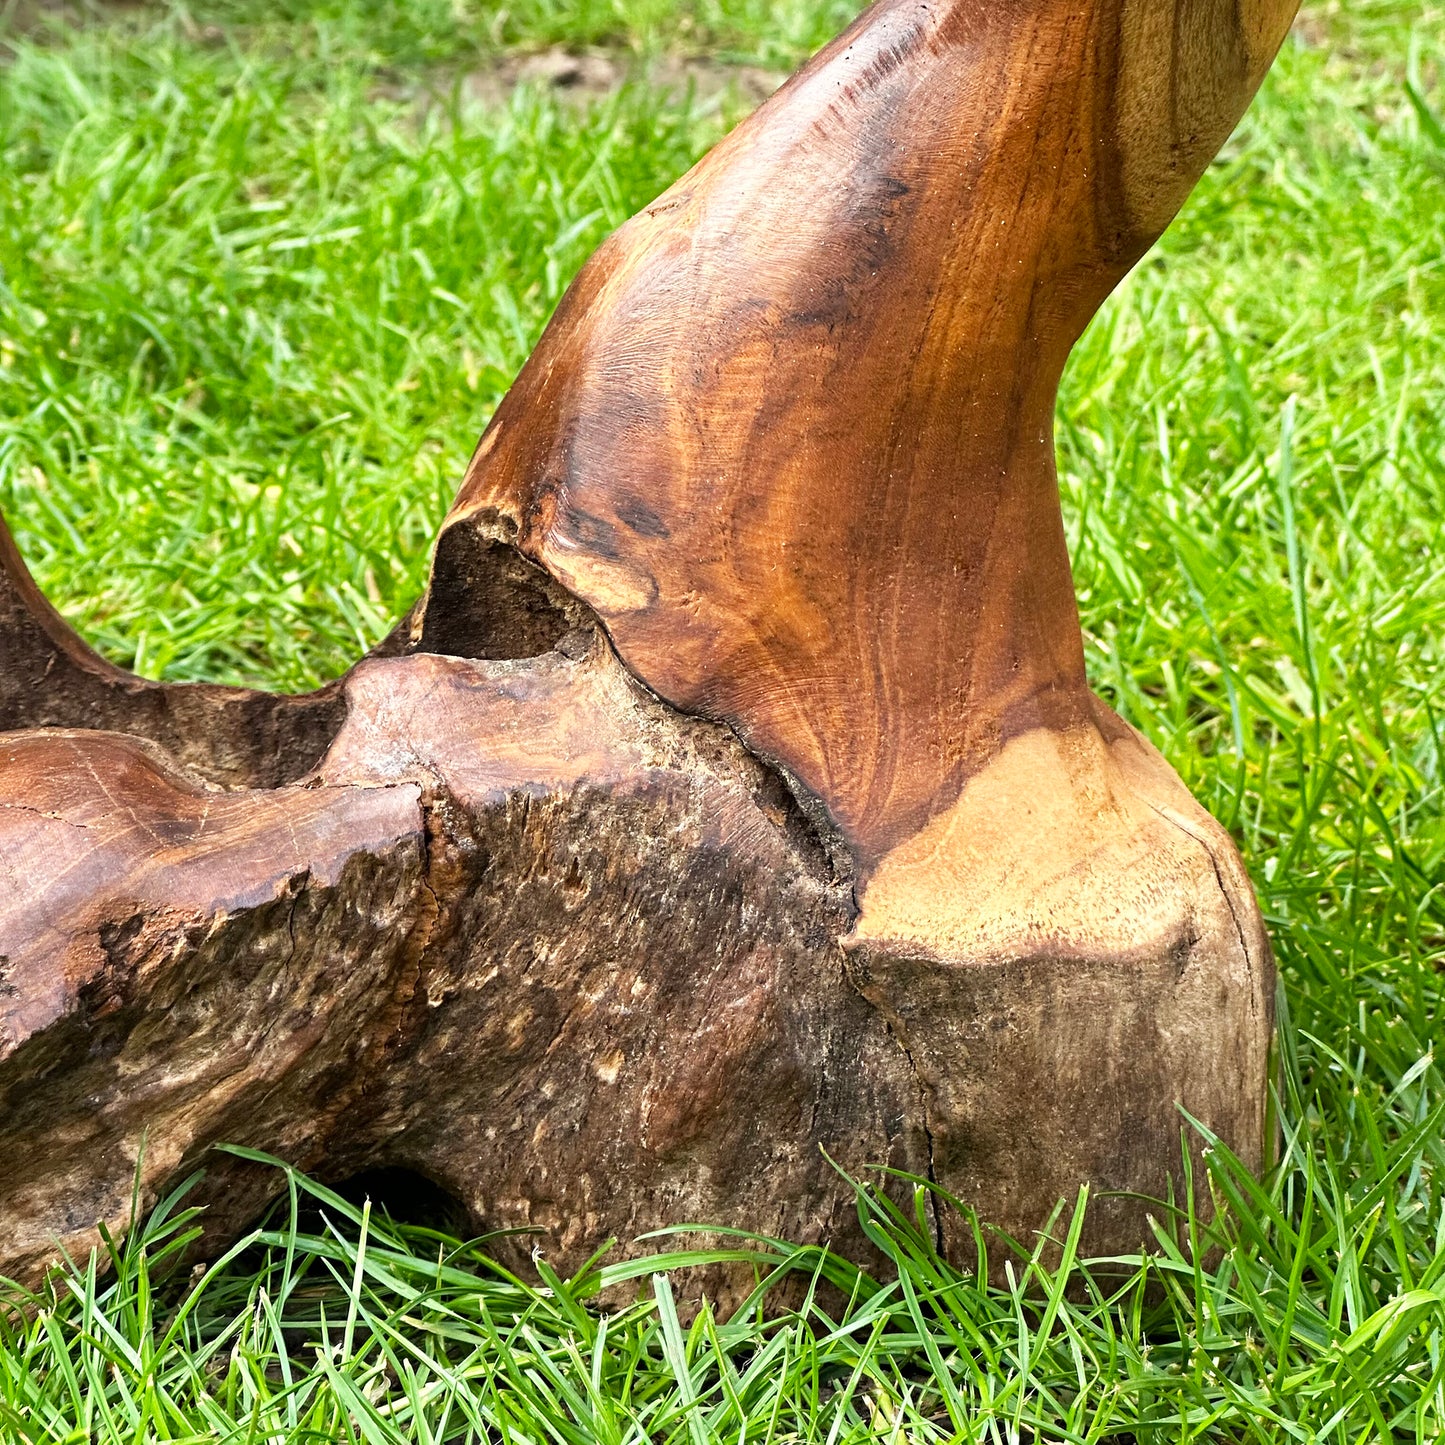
488,602
408,1196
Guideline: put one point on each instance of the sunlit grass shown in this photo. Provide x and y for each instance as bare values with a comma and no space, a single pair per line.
1315,1312
254,311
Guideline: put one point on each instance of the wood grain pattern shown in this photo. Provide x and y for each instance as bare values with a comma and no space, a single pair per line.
791,432
526,932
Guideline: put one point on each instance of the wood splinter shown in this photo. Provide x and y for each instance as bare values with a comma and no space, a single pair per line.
736,793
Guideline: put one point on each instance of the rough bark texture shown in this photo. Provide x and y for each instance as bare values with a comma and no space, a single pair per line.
736,794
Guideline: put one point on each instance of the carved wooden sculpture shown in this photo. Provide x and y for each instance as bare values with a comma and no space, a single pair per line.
736,792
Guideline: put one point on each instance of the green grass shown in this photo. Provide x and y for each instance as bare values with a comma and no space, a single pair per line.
254,310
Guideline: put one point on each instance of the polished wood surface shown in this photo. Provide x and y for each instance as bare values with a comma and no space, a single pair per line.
791,432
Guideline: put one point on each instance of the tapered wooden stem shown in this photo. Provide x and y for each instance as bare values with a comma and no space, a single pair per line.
824,509
736,796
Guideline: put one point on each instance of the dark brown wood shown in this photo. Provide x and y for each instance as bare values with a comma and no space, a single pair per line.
49,678
736,793
518,913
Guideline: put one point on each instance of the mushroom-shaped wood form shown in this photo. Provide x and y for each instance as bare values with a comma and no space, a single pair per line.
735,797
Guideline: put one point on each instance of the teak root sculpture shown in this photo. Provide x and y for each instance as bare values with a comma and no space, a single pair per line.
736,793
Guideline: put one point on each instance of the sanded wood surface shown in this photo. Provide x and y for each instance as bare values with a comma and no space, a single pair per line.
823,509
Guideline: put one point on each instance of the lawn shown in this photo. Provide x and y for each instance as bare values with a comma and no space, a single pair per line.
265,269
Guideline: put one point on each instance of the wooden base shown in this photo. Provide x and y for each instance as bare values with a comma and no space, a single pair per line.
582,962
